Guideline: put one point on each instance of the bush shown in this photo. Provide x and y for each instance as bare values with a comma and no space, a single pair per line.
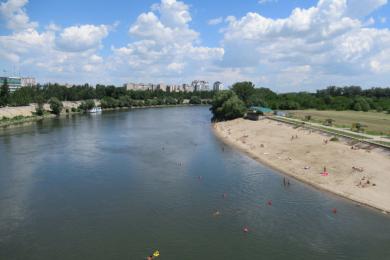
109,102
87,105
55,105
39,109
334,139
358,127
329,122
73,109
195,100
308,117
170,101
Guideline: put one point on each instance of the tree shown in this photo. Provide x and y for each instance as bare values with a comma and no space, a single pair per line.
39,110
256,100
244,90
233,108
55,105
4,93
357,107
195,100
226,105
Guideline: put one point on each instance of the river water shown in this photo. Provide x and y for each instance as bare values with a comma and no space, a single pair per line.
122,184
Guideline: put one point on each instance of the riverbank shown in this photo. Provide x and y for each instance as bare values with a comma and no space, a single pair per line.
18,116
361,174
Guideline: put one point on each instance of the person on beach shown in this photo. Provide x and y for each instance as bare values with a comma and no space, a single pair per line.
324,173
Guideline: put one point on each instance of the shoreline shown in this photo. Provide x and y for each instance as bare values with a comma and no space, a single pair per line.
30,118
347,190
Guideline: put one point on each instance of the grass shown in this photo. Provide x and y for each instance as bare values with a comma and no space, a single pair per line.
382,143
376,123
324,129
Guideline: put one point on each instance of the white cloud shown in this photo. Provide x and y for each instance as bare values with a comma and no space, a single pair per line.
266,1
333,42
215,21
13,14
325,38
52,54
166,48
81,38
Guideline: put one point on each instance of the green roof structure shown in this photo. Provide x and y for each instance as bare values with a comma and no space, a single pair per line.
261,109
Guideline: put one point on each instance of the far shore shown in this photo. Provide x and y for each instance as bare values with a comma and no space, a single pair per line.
358,171
23,115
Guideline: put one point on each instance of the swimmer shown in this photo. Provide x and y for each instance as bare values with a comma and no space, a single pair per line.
216,213
245,229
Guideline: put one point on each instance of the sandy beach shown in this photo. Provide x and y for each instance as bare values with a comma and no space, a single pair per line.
361,174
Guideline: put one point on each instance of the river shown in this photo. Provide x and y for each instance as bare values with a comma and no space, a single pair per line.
121,185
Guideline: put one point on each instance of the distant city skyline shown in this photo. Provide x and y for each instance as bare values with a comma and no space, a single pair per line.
286,45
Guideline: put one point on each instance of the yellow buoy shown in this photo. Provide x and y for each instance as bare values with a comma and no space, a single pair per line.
156,254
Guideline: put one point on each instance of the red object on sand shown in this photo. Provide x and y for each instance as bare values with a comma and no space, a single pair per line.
270,203
325,174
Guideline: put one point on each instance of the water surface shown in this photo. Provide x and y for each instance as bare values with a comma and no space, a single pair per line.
123,184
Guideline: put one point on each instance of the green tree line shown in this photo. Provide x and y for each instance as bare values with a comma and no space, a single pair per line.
110,95
234,102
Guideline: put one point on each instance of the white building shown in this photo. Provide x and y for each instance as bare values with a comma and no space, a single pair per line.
200,85
28,82
139,86
217,86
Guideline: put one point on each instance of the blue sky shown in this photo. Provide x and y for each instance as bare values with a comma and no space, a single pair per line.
287,45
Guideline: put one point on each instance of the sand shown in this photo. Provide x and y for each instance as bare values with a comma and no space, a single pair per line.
11,112
361,174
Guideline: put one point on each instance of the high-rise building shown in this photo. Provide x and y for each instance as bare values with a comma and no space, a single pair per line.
217,86
28,82
15,83
200,85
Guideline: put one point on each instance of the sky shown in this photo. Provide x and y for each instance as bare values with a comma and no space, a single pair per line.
285,45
